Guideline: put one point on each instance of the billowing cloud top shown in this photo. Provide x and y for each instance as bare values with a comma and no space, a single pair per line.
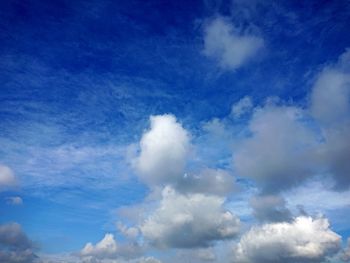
185,221
164,148
303,240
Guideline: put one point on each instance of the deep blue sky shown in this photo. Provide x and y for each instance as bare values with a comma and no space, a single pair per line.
79,80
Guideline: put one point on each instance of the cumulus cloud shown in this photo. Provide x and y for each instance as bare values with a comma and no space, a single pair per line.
330,105
303,240
270,208
187,221
278,154
15,246
7,177
14,200
108,248
227,44
164,148
242,107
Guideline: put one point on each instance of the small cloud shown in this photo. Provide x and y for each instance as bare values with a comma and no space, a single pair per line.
242,107
231,47
14,200
7,178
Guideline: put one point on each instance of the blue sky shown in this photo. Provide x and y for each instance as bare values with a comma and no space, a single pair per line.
126,117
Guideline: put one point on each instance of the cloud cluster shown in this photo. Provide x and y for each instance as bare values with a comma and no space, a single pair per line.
15,246
186,221
227,44
285,146
303,240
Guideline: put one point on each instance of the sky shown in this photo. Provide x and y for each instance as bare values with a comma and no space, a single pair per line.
174,131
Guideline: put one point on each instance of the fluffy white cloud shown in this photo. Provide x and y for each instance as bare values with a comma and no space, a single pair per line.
108,248
303,240
164,148
7,177
230,47
185,221
278,154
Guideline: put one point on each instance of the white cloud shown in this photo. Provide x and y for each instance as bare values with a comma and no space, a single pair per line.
7,177
303,240
164,148
185,221
14,200
243,106
230,47
108,248
278,154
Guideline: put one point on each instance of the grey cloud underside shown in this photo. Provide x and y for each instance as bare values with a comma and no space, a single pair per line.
279,152
15,246
189,221
208,181
270,209
285,148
